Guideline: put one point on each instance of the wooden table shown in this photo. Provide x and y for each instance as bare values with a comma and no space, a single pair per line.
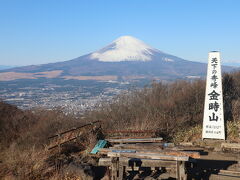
120,161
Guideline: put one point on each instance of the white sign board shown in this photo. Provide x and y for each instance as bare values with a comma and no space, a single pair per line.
213,119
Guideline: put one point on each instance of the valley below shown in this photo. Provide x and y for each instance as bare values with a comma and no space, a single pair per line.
72,95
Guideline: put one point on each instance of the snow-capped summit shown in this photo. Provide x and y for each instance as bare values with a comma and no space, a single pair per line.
125,48
126,58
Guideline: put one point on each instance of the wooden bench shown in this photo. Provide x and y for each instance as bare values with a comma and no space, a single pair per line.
119,161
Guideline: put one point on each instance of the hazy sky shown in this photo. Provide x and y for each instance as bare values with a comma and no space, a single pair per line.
43,31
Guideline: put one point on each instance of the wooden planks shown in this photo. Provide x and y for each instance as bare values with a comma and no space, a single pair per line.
148,152
223,177
130,131
146,140
230,172
73,129
143,146
230,146
195,155
69,135
134,162
106,150
148,156
226,175
100,144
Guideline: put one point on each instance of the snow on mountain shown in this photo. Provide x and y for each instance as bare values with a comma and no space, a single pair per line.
168,59
125,58
125,48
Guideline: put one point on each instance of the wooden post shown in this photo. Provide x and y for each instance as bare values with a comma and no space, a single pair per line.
120,170
114,167
180,170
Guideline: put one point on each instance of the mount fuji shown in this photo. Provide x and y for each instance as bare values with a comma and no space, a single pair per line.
125,48
126,58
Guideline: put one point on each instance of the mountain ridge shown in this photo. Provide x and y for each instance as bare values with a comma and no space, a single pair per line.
130,57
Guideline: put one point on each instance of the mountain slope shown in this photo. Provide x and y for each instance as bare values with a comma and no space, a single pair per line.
5,67
124,57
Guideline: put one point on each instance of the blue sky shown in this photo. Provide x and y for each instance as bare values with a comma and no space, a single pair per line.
36,32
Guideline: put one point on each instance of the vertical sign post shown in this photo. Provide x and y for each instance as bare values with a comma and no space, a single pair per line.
213,119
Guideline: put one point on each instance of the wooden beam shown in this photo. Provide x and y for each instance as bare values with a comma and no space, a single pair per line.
231,145
130,137
60,144
224,177
104,162
195,155
106,150
135,162
148,156
129,131
147,140
73,129
144,146
230,172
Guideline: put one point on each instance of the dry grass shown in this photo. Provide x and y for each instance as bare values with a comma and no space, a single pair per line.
188,135
24,142
169,108
175,110
195,133
166,107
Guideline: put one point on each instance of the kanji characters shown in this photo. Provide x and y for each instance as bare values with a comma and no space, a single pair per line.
214,60
214,106
213,117
214,84
213,95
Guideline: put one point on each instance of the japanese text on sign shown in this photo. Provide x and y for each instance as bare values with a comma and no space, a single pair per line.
213,121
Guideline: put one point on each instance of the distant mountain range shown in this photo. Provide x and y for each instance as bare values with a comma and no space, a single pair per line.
235,64
126,58
5,67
